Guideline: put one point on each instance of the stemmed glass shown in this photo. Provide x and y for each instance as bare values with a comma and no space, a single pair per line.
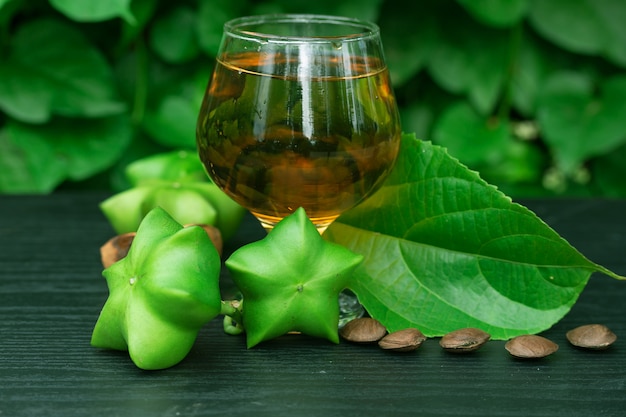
299,113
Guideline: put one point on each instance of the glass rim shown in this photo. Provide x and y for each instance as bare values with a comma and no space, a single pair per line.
363,29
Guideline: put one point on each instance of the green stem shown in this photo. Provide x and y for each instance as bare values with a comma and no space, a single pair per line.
9,10
232,311
141,84
514,50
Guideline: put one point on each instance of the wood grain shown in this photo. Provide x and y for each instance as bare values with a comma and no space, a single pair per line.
51,292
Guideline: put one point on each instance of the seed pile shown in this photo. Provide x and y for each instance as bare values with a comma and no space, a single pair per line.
368,330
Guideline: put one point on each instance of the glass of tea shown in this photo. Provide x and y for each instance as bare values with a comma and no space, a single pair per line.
299,112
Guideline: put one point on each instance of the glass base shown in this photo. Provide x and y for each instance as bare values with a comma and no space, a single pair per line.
349,307
269,222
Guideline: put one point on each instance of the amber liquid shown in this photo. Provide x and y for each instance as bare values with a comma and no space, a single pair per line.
277,143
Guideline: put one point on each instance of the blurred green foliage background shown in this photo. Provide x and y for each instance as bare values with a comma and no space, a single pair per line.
531,93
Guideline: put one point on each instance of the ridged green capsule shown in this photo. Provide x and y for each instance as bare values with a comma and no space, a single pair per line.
291,281
175,181
160,294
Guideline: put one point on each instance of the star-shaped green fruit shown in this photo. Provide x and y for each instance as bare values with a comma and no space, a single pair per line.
291,280
161,293
176,182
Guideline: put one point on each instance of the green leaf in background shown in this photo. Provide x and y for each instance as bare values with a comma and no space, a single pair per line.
474,139
77,59
533,66
212,14
143,11
42,156
579,124
498,13
520,162
93,11
180,47
583,26
487,145
23,94
407,29
471,59
609,172
67,77
6,13
359,9
445,250
25,164
173,123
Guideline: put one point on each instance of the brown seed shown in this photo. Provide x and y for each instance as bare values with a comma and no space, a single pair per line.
214,234
464,340
531,346
363,330
116,248
405,340
591,336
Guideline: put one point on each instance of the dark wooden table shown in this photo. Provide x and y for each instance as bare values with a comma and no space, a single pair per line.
51,292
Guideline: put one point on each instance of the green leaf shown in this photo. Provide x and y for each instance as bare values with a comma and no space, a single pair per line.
173,123
360,9
579,124
45,155
583,26
471,59
520,162
498,13
24,95
180,47
93,11
609,171
212,14
533,65
143,11
418,117
52,69
445,250
471,137
405,30
25,164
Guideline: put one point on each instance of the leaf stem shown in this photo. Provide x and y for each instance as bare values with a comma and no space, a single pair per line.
141,84
514,50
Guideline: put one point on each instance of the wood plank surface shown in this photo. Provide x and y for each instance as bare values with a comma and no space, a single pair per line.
51,292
